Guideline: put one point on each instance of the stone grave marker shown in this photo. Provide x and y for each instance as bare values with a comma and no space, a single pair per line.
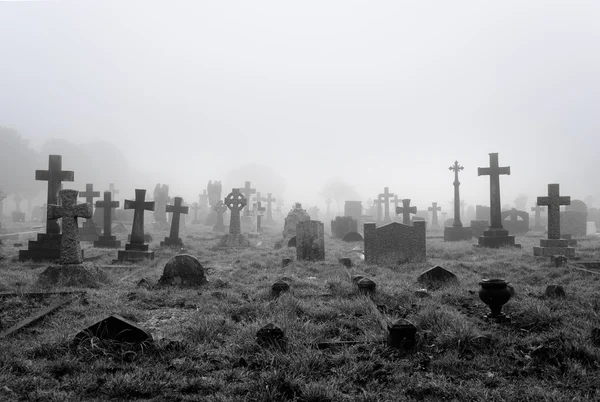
247,191
89,230
457,232
136,250
310,241
352,236
515,221
537,223
386,197
235,201
114,328
195,208
270,200
176,209
214,191
342,225
183,270
394,243
406,210
47,246
161,198
554,245
107,240
436,277
219,209
260,211
434,210
296,215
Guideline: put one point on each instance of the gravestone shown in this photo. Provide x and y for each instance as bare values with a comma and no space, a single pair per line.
116,329
219,209
434,210
214,191
235,201
436,277
89,230
385,198
352,236
573,220
136,250
196,208
396,201
394,243
260,211
537,225
269,220
176,209
457,232
495,236
69,211
342,225
107,240
554,244
247,191
161,198
47,245
406,210
515,221
310,241
113,192
183,270
295,216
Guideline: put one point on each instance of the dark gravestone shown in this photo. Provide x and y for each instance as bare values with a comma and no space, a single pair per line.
292,242
107,240
406,210
457,232
235,201
394,243
183,270
47,246
89,230
177,209
573,220
115,328
69,211
515,221
436,277
352,236
342,225
554,245
310,241
136,250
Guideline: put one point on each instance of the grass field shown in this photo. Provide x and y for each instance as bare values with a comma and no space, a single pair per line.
204,339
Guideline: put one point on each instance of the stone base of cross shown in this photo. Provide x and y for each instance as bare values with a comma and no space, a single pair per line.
107,242
550,247
135,255
172,242
496,238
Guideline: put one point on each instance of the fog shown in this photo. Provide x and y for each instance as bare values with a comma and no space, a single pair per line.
376,94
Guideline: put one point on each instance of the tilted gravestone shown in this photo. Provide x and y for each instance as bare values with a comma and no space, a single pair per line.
554,245
136,250
69,211
177,209
515,221
47,246
310,241
342,225
394,243
235,201
114,328
107,240
89,230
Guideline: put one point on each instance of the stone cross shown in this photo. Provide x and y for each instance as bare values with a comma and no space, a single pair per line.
537,209
107,204
385,198
220,209
406,210
553,201
54,176
139,206
396,201
177,209
269,211
235,201
494,171
69,211
260,211
456,168
247,193
89,194
433,209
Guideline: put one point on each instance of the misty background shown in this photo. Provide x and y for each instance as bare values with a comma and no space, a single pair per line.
293,96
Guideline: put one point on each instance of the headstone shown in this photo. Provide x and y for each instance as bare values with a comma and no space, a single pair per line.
436,277
495,236
114,192
537,225
196,208
434,210
554,245
235,201
270,200
394,243
310,241
353,209
176,209
136,250
515,221
295,216
107,240
457,232
213,191
47,246
115,328
69,211
554,291
260,211
342,225
161,198
314,212
385,198
406,210
482,213
183,270
219,209
352,236
89,231
573,220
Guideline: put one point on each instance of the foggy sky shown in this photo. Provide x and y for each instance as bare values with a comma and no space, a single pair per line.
383,93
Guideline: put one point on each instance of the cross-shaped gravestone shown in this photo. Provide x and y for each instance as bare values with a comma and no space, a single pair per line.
385,198
270,200
553,201
434,210
54,176
494,171
107,204
396,201
220,209
260,211
177,209
377,203
89,194
139,206
235,201
538,210
247,192
406,210
456,168
69,211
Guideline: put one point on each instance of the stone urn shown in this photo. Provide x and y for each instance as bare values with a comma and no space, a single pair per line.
495,293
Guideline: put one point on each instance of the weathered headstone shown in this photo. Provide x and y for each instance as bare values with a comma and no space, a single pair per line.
219,209
177,209
136,250
183,270
457,232
310,241
554,245
196,208
436,277
394,243
352,236
537,223
406,210
235,201
89,230
115,328
107,240
434,210
47,246
495,236
296,215
515,221
342,225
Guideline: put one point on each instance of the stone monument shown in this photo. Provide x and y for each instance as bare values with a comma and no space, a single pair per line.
554,245
456,232
177,209
235,201
107,240
136,250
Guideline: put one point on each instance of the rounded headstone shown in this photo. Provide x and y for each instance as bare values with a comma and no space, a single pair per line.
352,236
280,286
577,205
554,291
347,262
292,242
285,262
183,270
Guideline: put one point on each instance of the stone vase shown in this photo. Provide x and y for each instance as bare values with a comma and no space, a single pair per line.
495,293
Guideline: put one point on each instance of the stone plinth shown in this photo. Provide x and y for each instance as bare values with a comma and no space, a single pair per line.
310,241
135,252
45,248
495,238
452,233
172,242
234,240
107,242
550,247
